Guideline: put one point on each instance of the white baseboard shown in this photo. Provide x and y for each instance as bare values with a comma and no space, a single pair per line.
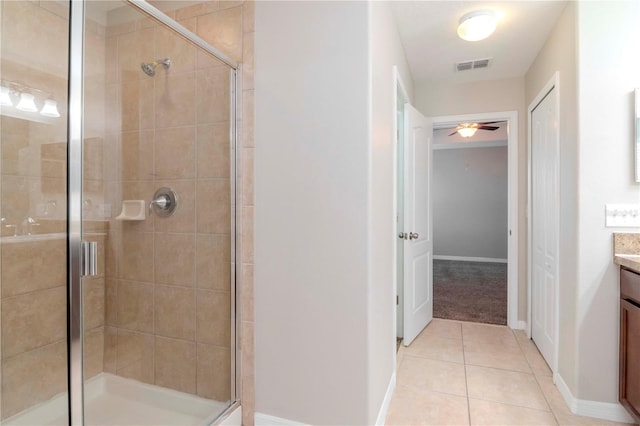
612,411
471,259
233,419
267,420
521,325
384,408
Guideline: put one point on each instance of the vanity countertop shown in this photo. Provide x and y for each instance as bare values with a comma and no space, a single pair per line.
626,249
631,261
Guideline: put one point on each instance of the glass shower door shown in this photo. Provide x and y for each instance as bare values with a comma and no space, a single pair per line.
158,330
33,200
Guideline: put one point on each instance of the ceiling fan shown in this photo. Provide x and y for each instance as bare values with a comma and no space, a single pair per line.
466,130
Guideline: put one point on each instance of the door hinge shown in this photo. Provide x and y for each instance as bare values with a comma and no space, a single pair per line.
89,258
397,300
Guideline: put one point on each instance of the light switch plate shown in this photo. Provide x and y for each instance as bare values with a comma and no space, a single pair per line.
622,215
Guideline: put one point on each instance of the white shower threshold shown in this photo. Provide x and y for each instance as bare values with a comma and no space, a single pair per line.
112,400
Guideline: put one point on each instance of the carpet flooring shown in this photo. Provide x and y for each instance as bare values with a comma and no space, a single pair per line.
470,291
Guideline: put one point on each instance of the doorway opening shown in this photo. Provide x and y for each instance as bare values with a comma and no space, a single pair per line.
475,206
509,119
470,221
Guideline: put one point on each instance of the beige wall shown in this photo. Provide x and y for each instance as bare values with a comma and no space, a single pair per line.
440,99
597,65
339,215
312,215
608,64
387,53
559,54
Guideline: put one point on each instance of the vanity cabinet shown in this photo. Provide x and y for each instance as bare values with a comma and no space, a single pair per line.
629,394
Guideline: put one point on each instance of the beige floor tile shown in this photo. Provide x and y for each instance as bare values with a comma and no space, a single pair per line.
488,344
488,355
534,358
400,355
411,407
572,420
436,347
509,387
496,335
444,328
423,374
552,395
560,409
495,413
521,335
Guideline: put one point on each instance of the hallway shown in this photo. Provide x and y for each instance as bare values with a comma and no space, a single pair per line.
462,373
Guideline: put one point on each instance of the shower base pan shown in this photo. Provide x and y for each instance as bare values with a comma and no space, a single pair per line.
113,400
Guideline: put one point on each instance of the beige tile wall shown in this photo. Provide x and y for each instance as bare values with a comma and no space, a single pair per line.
166,311
167,287
246,209
33,174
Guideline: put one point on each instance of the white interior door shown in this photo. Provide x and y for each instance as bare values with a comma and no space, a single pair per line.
418,243
544,224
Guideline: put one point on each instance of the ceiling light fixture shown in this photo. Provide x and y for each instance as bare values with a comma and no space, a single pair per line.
477,25
467,130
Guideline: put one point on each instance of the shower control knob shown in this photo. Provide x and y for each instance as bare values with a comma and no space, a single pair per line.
164,202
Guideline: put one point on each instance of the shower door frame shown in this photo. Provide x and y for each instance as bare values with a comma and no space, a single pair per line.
75,194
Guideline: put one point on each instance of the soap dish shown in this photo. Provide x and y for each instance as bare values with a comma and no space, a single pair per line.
132,210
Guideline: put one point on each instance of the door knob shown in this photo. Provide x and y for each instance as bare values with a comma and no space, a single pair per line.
403,235
413,235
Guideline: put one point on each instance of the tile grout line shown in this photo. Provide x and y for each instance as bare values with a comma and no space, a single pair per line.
466,383
535,377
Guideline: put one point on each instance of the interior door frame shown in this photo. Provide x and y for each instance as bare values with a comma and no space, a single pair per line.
511,117
552,84
397,83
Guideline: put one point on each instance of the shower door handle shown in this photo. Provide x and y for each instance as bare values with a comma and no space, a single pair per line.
89,258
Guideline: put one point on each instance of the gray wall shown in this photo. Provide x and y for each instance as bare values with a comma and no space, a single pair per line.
470,209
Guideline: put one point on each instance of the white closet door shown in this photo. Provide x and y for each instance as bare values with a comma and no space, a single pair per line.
544,225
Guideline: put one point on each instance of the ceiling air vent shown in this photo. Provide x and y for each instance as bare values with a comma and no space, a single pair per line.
463,66
472,65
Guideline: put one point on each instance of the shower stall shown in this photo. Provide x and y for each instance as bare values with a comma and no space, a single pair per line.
118,203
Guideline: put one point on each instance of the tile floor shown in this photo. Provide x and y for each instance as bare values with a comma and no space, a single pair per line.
461,373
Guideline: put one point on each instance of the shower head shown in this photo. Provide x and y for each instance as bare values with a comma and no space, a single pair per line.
149,68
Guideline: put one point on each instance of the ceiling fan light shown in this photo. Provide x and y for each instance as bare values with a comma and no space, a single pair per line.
477,25
467,132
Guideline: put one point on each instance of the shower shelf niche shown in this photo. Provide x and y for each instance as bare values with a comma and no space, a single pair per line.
132,210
